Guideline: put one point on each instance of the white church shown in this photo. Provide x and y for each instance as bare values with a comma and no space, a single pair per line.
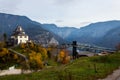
19,36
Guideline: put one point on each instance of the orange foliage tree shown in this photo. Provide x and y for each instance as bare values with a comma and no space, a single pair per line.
43,53
35,61
7,58
37,55
2,45
63,57
3,52
22,45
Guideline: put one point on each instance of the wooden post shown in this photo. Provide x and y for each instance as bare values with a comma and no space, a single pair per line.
74,44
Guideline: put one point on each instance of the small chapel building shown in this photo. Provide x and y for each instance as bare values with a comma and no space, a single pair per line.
19,36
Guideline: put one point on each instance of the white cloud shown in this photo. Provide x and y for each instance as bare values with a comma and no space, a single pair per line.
64,12
9,6
63,2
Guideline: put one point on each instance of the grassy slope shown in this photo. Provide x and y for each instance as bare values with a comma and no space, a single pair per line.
81,69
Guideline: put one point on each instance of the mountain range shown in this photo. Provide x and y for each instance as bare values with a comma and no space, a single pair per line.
105,34
9,22
63,32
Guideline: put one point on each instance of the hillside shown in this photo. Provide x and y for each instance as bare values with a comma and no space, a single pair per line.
90,68
63,32
34,29
99,34
105,34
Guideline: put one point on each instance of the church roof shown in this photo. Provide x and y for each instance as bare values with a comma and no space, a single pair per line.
19,32
19,29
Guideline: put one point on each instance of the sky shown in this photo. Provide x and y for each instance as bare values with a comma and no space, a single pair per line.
72,13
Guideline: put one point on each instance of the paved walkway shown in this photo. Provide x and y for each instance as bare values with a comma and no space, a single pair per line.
10,72
118,78
114,76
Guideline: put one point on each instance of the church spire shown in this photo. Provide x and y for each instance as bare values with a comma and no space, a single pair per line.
19,29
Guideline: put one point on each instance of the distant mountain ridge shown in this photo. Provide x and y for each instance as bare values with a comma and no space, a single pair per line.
63,32
9,22
96,34
105,34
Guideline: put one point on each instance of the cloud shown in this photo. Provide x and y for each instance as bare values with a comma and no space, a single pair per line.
64,12
84,23
59,21
64,2
9,6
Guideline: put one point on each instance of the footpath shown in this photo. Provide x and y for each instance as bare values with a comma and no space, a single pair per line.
13,71
114,76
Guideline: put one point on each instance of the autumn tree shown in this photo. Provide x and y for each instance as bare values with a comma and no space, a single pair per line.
63,57
4,58
2,45
22,45
3,52
35,61
7,58
31,45
43,53
15,56
37,55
